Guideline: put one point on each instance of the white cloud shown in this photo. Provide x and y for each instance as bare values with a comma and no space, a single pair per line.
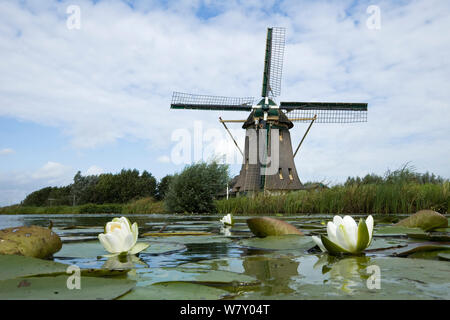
6,151
94,170
53,172
113,78
14,186
164,159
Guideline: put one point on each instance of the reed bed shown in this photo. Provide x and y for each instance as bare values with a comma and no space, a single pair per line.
383,198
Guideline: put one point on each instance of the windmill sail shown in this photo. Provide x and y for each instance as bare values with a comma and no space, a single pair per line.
327,112
273,62
204,102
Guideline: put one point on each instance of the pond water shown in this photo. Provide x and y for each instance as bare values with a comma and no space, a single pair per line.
234,264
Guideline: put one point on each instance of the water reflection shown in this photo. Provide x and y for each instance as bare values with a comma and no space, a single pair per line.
274,272
123,262
344,273
226,231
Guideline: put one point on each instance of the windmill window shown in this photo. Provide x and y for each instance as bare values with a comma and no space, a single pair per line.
280,173
291,177
246,164
281,135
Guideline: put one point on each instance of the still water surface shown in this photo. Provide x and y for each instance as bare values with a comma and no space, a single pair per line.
245,267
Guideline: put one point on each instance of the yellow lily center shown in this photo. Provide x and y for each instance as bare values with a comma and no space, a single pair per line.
115,226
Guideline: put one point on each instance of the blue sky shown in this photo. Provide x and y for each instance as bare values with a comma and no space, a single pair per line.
96,99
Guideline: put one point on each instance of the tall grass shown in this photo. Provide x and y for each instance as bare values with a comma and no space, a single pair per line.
144,205
388,198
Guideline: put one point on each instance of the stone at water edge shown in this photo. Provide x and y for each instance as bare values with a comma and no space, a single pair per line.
33,241
424,219
265,226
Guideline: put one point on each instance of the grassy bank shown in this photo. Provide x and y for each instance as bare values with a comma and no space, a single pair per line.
387,198
144,205
370,198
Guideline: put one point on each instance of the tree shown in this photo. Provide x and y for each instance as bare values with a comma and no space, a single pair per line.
83,189
195,188
163,187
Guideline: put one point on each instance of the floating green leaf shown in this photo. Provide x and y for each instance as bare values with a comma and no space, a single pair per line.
55,288
196,275
13,266
431,236
175,291
425,219
444,256
196,239
420,247
265,226
86,249
396,231
176,234
31,241
163,247
94,249
285,242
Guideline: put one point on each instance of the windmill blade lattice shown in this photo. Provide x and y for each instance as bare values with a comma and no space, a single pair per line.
273,63
182,100
327,112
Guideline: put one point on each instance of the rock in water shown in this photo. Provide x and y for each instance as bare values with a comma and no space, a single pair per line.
30,241
265,226
424,219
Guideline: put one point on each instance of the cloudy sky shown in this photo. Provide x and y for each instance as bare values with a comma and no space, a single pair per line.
96,98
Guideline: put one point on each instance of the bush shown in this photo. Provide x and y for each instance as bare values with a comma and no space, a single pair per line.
144,205
195,188
102,208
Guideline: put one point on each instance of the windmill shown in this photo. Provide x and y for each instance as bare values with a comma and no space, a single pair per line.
268,158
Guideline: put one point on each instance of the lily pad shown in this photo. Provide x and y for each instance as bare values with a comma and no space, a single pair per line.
195,275
31,241
420,248
22,267
396,231
424,219
380,244
176,234
431,236
286,242
198,239
265,226
175,291
159,247
13,266
87,249
444,256
94,249
55,288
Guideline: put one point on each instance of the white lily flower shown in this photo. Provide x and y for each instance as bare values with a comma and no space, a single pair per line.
121,237
227,220
344,236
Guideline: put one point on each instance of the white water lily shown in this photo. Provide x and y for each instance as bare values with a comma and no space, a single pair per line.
227,220
344,236
120,237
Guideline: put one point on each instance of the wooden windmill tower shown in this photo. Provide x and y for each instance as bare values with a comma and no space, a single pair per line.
268,157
